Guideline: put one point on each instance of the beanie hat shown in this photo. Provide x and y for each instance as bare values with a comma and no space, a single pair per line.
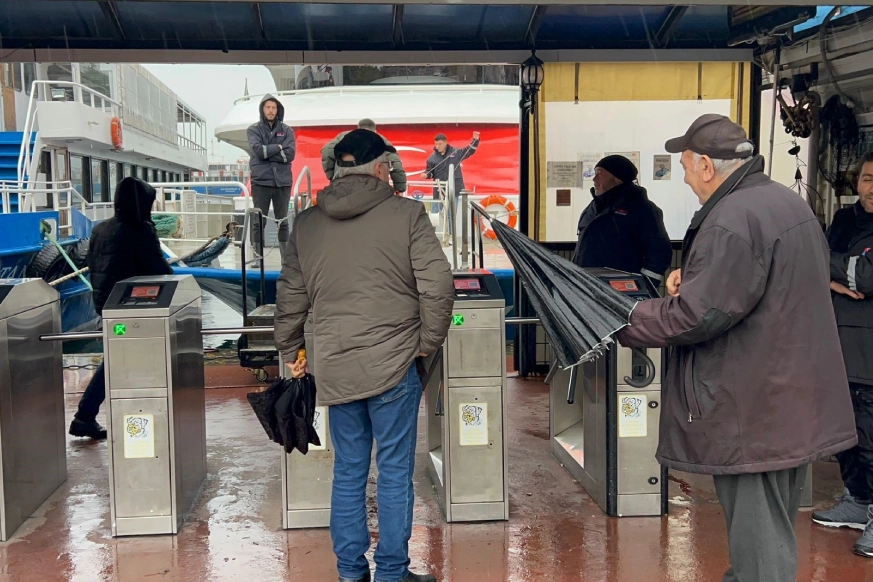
620,167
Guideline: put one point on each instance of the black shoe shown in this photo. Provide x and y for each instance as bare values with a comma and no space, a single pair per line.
419,578
366,578
81,428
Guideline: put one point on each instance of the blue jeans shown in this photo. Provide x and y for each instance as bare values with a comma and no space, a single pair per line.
392,419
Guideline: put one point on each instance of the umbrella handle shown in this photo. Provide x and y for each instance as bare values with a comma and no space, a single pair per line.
571,390
650,370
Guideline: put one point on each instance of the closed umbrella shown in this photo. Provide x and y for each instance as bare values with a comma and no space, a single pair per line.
578,311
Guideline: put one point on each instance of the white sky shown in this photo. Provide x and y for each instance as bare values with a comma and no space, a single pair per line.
211,91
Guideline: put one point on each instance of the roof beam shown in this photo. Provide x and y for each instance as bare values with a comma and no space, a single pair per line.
665,33
397,25
111,13
533,25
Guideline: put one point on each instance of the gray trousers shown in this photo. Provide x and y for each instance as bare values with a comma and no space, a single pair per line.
261,198
760,509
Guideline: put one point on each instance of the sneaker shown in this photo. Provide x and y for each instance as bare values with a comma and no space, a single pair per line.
864,545
847,513
92,429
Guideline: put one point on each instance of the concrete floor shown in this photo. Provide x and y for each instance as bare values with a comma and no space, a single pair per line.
555,532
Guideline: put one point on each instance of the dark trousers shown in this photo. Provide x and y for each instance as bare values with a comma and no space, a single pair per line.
262,196
95,394
856,464
760,509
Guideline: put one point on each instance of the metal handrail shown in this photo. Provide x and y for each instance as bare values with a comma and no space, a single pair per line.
307,173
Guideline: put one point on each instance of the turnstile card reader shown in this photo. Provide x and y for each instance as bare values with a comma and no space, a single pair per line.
33,445
607,437
307,480
466,406
156,403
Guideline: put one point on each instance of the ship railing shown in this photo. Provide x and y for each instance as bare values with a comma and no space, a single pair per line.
201,217
42,90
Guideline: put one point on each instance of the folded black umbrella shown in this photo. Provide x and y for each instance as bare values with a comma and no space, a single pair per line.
286,410
578,311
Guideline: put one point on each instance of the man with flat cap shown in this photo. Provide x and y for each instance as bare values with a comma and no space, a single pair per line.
373,274
620,228
756,389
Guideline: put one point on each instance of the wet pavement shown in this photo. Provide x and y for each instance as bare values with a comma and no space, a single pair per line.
555,532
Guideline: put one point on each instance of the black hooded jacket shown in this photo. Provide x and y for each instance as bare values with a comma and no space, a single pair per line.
270,164
621,229
125,245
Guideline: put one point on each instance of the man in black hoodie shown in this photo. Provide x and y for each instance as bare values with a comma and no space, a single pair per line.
123,246
621,229
272,146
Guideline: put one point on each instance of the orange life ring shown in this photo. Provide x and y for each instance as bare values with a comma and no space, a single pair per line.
497,200
117,140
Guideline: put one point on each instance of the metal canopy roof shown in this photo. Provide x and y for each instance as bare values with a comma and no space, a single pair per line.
35,26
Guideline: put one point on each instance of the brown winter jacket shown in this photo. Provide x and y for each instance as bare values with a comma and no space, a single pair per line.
369,266
755,381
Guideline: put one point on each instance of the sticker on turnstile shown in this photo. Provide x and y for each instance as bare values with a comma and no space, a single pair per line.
632,415
318,422
139,436
474,424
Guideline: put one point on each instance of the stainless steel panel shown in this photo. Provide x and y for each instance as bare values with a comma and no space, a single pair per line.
187,291
32,423
137,392
594,419
305,519
144,526
562,415
475,353
477,317
24,295
136,363
638,505
636,461
476,471
142,487
479,511
806,492
135,326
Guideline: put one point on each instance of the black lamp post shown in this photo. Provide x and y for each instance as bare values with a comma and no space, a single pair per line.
532,76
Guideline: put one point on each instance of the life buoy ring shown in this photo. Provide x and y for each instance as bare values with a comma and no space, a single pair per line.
506,208
117,138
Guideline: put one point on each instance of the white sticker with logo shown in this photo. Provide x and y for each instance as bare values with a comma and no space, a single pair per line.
139,436
319,422
632,416
473,424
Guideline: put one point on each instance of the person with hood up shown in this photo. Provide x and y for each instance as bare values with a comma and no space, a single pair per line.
756,389
379,288
272,147
621,229
328,157
443,156
123,246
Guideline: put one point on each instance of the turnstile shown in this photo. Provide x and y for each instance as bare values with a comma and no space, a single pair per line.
156,403
32,426
307,480
607,435
466,406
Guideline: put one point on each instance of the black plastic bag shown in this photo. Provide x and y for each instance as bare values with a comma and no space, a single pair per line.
578,311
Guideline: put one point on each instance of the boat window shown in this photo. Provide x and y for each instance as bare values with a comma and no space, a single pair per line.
113,177
29,70
61,72
128,170
77,175
98,181
16,76
97,77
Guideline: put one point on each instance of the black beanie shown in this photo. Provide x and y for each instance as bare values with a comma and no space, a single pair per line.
620,167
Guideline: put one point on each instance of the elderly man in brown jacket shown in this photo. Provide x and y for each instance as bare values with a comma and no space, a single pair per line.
368,266
756,387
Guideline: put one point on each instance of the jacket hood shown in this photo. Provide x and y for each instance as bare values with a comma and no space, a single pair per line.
353,195
133,200
280,114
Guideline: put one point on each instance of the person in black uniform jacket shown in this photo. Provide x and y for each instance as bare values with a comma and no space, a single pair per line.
621,229
123,246
850,238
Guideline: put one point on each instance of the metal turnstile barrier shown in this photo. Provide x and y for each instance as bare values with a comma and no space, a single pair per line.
32,425
604,415
466,406
307,480
156,403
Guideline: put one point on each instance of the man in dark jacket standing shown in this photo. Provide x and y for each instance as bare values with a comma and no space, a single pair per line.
445,155
272,146
123,246
756,388
328,158
621,229
850,237
380,290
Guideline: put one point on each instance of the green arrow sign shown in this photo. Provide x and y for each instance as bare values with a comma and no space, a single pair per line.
457,319
120,329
